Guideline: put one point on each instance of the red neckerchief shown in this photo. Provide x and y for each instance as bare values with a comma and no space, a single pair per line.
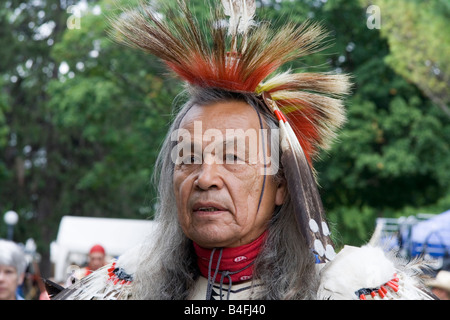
238,261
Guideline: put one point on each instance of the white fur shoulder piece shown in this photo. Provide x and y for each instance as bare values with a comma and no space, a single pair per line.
111,282
369,273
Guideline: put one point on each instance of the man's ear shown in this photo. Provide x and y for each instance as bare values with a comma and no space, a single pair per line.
281,193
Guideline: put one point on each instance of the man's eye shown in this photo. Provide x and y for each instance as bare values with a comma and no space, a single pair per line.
191,159
232,158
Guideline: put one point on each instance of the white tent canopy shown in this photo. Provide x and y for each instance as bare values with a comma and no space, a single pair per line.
76,236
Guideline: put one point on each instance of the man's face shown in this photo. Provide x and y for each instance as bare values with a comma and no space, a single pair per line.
96,260
218,183
9,280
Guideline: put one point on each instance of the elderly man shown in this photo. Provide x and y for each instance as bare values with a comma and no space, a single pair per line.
239,214
12,270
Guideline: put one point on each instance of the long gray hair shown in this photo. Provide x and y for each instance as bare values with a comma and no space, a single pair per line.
285,268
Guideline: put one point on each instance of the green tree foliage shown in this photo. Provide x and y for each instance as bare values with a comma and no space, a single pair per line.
28,181
393,153
82,118
111,107
417,32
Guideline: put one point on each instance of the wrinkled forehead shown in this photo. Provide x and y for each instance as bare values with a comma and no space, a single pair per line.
229,123
222,116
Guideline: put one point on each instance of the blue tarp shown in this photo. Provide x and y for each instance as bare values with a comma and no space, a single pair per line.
431,236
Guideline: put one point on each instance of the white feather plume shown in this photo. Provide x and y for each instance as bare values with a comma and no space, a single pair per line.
241,13
369,267
248,12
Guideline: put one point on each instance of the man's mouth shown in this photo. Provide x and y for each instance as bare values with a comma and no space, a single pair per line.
203,207
208,209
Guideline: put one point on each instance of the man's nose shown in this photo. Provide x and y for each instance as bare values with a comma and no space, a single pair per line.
208,175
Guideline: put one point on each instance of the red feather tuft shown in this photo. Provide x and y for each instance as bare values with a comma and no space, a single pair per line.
303,122
227,75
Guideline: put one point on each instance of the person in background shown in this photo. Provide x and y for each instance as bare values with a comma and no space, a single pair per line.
97,259
12,270
440,285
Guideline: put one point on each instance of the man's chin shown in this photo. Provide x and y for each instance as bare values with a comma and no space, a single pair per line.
213,239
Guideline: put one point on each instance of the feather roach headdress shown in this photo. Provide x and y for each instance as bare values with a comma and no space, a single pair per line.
238,54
